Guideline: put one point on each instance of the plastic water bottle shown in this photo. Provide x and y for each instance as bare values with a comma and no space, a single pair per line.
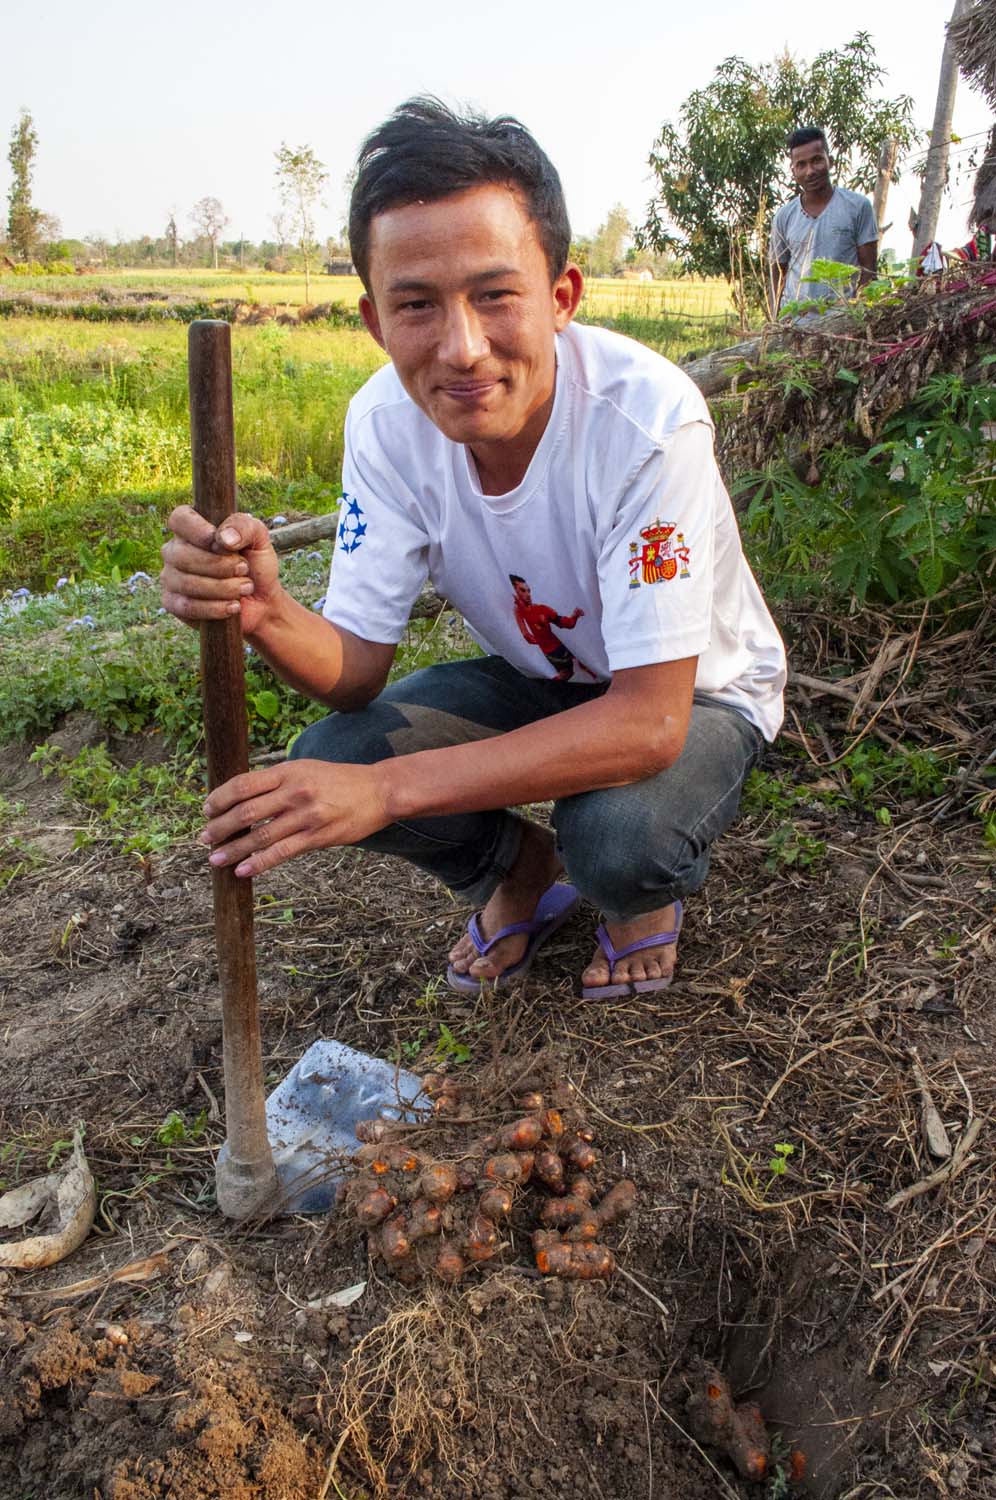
311,1118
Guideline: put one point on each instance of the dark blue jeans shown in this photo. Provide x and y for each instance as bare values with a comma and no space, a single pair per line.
628,849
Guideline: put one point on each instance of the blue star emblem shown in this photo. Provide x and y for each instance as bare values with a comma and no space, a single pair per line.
352,529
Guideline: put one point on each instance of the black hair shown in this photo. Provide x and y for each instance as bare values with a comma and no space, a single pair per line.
805,136
424,152
515,578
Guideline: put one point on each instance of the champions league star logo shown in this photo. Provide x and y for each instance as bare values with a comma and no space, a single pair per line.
352,527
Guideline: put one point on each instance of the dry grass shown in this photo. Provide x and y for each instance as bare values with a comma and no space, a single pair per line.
410,1384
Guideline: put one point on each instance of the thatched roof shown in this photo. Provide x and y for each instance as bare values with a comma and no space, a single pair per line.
974,36
984,204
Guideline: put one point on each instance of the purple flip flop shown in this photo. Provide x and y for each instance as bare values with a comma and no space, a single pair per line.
632,986
553,909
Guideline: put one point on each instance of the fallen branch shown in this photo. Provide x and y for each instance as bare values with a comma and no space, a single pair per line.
959,1161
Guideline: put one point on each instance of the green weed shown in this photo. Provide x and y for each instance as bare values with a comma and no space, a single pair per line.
789,847
778,1165
449,1048
874,772
174,1131
142,810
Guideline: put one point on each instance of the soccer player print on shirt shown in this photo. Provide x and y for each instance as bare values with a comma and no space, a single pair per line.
352,527
534,622
658,561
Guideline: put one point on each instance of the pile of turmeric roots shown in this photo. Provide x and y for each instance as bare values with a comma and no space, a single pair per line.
427,1216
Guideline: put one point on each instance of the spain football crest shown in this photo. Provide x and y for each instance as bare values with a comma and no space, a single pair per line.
658,561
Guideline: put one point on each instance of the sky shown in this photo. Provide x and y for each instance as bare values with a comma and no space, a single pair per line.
141,110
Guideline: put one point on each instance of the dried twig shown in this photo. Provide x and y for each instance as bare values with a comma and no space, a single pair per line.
946,1173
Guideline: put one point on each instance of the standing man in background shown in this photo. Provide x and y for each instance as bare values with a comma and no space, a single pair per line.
824,223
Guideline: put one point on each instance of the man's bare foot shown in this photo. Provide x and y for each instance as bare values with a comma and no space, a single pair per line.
515,900
647,963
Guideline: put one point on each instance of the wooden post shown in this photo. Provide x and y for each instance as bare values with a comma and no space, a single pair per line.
245,1178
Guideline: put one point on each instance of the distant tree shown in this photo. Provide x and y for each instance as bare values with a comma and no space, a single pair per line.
210,219
280,229
22,216
606,249
723,169
173,238
300,180
99,248
580,254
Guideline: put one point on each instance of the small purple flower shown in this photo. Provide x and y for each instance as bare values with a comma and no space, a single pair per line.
60,583
135,580
21,594
85,622
319,604
314,557
247,650
278,521
160,610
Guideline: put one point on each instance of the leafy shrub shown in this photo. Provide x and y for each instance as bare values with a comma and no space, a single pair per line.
76,451
900,521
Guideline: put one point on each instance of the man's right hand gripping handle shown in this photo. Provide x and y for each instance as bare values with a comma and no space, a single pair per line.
211,572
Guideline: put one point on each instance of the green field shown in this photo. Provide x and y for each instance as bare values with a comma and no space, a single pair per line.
94,447
604,297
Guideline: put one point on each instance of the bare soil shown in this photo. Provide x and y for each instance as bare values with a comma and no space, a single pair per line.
863,1331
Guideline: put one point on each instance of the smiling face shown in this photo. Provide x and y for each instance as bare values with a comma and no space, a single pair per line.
462,301
810,166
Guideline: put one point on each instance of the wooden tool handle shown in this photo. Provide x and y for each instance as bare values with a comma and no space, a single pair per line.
226,734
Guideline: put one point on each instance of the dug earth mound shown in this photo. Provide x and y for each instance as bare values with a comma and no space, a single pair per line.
766,1109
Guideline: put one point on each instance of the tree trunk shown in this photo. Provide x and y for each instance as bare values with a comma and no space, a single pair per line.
886,167
940,141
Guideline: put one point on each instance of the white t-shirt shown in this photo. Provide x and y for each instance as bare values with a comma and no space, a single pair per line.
622,514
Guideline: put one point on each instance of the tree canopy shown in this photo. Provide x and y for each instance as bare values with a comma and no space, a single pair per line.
301,177
209,219
723,168
23,219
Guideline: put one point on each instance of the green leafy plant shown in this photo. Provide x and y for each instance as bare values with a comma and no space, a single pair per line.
410,1050
175,1131
429,998
449,1048
56,1150
899,521
874,772
141,810
778,1164
790,847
